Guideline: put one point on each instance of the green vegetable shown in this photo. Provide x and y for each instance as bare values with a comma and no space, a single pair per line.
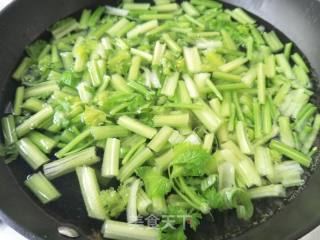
196,109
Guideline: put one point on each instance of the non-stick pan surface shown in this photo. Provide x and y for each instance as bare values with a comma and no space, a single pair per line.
25,20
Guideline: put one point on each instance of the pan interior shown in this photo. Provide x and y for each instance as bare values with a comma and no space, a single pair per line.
70,207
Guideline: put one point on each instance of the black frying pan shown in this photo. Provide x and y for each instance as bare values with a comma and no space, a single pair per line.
25,20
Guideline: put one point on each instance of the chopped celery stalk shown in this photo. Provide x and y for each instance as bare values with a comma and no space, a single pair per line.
301,76
158,16
120,230
249,77
117,11
287,49
42,188
284,66
90,192
181,120
208,142
116,29
273,190
138,159
231,86
286,134
226,76
208,182
18,101
234,64
183,93
34,121
22,68
31,153
194,21
278,99
228,41
142,28
33,105
273,41
193,138
241,16
145,55
158,52
163,161
137,127
65,27
43,142
133,149
226,175
159,206
132,215
291,153
136,6
261,84
263,161
208,117
190,9
313,135
191,86
110,164
119,84
242,138
143,203
72,144
42,89
270,66
9,130
134,68
112,131
170,85
192,59
171,43
166,7
300,62
68,164
160,139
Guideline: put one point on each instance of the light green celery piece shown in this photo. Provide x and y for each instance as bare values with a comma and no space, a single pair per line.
119,84
31,153
34,121
286,134
160,139
233,65
208,142
242,138
145,55
170,85
171,43
191,86
137,160
9,130
207,117
137,127
158,52
273,190
69,163
73,144
192,59
110,164
263,161
285,66
111,131
45,143
134,68
291,153
226,173
189,9
43,89
142,28
120,230
90,192
181,120
42,188
261,83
